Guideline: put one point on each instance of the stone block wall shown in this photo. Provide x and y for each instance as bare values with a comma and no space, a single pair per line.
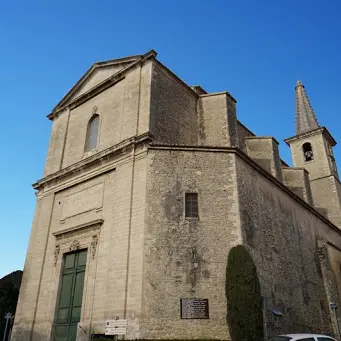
33,270
173,109
297,180
319,166
127,210
217,120
123,110
243,133
327,195
173,243
56,144
281,235
104,214
264,151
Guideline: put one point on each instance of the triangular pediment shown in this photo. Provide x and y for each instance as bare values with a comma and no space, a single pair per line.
97,74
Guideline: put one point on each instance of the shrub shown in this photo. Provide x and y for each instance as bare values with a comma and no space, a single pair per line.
243,296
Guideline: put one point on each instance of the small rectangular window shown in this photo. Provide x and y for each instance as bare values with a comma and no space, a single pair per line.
191,205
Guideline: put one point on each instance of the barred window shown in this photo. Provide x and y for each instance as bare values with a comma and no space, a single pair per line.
92,133
191,205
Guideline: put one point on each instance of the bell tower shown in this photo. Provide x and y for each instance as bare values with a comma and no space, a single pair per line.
312,149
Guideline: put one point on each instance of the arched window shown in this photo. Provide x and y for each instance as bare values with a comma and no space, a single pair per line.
92,133
308,152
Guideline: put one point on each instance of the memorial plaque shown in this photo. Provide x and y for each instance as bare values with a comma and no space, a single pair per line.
115,327
194,308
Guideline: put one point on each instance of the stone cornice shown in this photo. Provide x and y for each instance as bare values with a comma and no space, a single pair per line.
94,66
262,138
219,94
327,176
93,223
295,169
107,83
316,131
252,163
181,147
92,160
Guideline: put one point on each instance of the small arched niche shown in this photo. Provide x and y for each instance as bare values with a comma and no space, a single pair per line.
308,152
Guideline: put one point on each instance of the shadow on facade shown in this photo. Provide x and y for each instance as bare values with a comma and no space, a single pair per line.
22,334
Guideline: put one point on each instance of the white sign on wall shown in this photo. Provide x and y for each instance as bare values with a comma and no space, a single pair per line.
115,327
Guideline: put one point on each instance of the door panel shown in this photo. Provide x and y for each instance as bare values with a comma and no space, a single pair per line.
76,315
70,298
69,261
77,298
72,332
63,315
61,333
66,291
82,258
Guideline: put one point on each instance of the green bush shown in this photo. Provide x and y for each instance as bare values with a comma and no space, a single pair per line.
244,301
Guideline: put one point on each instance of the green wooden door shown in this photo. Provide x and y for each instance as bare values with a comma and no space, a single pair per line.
70,298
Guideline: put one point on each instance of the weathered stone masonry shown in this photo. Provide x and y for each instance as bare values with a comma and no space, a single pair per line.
124,202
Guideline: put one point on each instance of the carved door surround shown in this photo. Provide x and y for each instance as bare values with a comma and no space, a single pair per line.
84,236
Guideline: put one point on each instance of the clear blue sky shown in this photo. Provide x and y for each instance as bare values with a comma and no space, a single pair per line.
254,49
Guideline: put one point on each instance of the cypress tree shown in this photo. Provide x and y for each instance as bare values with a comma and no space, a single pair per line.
243,296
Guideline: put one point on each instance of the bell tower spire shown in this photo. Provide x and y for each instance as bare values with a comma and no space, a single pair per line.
305,116
312,149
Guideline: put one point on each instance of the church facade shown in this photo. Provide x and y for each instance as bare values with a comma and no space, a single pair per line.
148,184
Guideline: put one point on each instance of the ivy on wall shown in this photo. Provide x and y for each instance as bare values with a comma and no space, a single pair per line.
243,296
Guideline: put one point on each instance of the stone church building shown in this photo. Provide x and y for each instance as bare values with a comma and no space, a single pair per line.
148,184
